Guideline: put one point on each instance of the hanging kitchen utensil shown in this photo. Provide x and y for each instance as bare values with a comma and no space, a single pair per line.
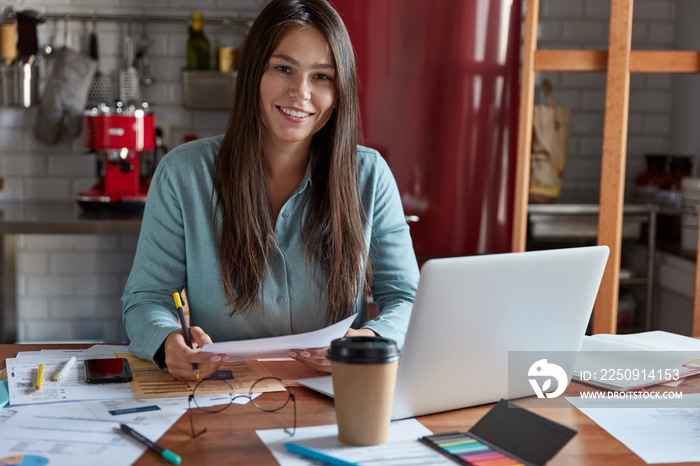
129,87
100,90
28,44
142,58
8,43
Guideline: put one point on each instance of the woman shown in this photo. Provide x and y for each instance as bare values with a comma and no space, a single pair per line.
282,225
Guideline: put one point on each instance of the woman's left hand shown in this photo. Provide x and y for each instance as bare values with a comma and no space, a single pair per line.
315,358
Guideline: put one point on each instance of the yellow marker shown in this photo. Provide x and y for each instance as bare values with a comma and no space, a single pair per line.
185,330
39,376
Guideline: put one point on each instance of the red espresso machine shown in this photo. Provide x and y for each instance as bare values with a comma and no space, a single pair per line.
119,134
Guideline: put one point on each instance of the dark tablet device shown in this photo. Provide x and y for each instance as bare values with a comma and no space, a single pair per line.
112,370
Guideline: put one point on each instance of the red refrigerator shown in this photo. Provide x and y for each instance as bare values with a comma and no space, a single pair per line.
439,83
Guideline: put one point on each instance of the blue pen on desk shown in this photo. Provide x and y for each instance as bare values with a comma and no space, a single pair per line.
166,454
185,329
316,455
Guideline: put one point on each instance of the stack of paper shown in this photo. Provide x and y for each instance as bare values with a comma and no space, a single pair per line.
635,361
71,423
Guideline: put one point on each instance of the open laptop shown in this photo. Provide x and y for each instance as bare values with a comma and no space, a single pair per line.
470,312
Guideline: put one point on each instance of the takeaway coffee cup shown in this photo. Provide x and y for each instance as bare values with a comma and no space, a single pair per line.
364,377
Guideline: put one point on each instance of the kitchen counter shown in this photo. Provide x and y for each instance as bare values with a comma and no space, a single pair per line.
64,217
580,221
51,218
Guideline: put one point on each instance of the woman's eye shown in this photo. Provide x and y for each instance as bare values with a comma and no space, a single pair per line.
323,77
282,68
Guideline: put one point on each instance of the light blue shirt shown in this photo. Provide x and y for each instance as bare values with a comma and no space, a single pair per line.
178,248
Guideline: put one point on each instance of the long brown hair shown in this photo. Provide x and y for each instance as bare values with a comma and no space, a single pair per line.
333,233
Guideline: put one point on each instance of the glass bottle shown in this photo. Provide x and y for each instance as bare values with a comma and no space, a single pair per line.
197,45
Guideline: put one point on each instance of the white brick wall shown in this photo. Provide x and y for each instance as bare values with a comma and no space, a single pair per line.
69,287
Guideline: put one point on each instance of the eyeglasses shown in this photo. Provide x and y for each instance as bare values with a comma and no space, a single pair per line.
269,403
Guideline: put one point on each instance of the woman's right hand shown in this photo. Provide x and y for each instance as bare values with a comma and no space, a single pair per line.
179,357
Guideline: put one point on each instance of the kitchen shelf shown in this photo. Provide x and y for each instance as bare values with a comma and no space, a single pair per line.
224,21
208,89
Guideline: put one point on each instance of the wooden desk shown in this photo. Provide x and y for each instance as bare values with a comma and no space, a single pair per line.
231,437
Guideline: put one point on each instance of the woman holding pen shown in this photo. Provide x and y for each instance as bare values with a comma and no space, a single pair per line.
283,224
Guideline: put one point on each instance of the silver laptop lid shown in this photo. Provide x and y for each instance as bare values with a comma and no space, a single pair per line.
471,311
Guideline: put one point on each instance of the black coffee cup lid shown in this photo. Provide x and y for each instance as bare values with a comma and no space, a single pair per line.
363,350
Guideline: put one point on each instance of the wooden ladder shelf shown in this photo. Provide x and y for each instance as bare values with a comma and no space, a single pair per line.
618,61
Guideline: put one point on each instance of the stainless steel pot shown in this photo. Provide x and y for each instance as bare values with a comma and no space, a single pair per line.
19,84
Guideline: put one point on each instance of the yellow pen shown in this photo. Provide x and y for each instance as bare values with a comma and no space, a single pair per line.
39,376
185,329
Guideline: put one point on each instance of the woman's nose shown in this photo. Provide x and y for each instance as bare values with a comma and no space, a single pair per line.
300,89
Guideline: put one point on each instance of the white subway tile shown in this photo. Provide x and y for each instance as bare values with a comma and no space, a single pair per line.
71,165
114,262
640,34
548,31
48,188
97,242
89,330
98,285
211,121
12,189
29,309
653,10
598,9
650,101
46,242
585,30
29,261
12,117
591,146
72,308
658,124
23,165
73,261
31,144
561,8
593,100
40,285
10,139
128,242
22,285
587,123
660,81
661,34
47,330
593,80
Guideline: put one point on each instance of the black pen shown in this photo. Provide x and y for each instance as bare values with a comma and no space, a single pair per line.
185,329
167,454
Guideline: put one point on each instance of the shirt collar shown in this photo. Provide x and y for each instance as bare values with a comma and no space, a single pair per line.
306,181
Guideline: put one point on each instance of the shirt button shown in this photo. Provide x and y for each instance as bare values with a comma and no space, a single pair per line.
285,215
280,300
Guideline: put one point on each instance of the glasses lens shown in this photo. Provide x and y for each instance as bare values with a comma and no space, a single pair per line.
273,394
212,395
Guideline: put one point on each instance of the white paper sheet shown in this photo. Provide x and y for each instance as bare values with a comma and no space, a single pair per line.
655,434
276,347
69,434
21,378
402,449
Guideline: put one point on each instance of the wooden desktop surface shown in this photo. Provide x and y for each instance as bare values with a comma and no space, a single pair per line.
231,437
